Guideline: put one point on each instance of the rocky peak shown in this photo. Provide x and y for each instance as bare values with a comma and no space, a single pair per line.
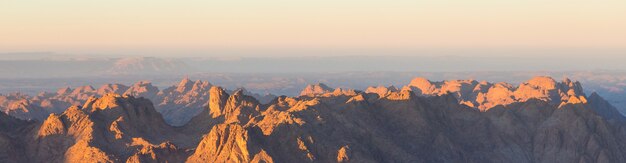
240,107
265,98
393,88
462,88
217,100
83,89
142,89
573,88
185,90
53,125
26,110
604,108
228,143
65,90
541,82
179,103
107,101
240,92
316,89
114,106
344,92
112,88
484,95
423,85
184,85
8,123
198,85
225,142
547,89
382,91
595,97
401,95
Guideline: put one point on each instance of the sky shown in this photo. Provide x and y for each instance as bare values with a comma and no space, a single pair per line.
314,27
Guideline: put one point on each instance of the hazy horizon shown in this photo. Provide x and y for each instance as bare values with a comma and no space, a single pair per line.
78,38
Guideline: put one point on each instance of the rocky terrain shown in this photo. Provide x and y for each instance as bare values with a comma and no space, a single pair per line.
541,120
484,95
178,103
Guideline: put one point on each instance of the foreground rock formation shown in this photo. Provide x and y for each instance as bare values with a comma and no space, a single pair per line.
544,122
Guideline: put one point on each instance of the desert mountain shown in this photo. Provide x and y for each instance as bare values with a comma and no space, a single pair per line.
342,125
112,128
11,143
314,89
484,95
178,103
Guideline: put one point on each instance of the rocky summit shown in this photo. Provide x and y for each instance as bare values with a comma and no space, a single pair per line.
540,120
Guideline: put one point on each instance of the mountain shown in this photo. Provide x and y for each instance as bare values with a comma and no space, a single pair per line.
91,66
183,101
12,143
147,66
339,126
178,103
316,89
484,95
112,128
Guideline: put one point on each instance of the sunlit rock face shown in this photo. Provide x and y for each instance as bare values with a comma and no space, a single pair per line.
381,90
484,95
316,89
111,128
342,125
143,89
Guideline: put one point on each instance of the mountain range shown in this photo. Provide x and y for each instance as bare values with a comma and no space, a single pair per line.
540,120
178,103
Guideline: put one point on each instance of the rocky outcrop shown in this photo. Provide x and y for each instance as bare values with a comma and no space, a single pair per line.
112,88
23,109
225,143
316,89
217,101
165,152
381,91
224,108
484,95
110,128
181,102
143,89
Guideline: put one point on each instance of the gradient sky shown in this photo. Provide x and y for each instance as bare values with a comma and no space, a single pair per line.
252,26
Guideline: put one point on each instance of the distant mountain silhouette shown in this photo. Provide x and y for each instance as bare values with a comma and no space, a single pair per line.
147,66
